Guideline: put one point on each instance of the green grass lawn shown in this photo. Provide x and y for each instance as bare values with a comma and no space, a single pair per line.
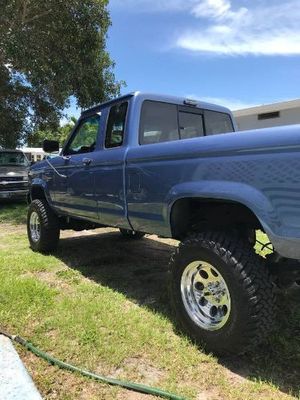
13,213
100,302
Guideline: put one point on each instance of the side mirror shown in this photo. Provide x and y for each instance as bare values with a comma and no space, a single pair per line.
50,146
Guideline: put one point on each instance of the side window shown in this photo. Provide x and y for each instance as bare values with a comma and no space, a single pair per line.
116,125
190,125
217,122
84,139
158,122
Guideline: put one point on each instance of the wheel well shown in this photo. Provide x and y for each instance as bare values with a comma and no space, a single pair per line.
37,192
192,214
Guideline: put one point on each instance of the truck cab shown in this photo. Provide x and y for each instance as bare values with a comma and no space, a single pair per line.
93,159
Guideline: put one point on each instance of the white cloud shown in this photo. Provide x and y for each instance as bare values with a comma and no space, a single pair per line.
230,43
232,104
218,9
265,29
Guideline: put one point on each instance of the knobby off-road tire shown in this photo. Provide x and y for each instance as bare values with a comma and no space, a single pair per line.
221,292
42,227
129,234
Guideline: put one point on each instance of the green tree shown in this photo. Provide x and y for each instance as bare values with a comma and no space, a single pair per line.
51,50
60,134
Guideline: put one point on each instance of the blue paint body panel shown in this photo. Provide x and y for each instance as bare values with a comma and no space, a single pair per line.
135,186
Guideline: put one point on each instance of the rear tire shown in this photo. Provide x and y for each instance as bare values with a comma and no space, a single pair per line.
42,227
129,234
221,292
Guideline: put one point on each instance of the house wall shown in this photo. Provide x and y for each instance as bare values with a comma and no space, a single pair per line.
287,117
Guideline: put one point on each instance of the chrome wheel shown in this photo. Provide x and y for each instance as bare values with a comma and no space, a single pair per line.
205,295
35,226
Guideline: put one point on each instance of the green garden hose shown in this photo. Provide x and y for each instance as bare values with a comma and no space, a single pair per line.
111,381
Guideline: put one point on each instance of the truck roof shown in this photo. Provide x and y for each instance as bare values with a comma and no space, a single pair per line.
10,151
162,98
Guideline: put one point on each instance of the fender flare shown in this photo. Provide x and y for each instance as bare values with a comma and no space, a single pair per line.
38,183
236,192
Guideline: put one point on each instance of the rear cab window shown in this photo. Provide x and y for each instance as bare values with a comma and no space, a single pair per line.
191,123
158,122
217,122
115,129
164,122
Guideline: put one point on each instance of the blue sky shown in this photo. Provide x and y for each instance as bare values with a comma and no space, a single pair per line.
237,53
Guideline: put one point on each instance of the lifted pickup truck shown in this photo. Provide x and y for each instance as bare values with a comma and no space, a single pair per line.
177,168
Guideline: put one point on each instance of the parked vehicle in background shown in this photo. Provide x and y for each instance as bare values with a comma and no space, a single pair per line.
14,168
177,168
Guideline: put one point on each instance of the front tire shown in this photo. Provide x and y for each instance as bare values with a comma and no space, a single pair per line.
221,292
42,227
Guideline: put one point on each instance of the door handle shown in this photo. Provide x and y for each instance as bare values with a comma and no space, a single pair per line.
86,161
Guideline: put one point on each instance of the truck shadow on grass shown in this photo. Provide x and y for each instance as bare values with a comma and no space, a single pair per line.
138,269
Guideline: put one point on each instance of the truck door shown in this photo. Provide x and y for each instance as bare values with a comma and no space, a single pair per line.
74,187
110,171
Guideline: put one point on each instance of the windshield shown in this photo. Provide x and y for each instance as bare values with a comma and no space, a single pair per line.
13,158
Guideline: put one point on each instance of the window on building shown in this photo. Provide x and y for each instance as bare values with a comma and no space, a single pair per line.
116,125
269,115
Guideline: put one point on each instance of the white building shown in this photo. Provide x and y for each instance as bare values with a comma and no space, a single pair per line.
265,116
33,154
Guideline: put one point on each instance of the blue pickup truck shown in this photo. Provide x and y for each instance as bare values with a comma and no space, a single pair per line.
177,168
